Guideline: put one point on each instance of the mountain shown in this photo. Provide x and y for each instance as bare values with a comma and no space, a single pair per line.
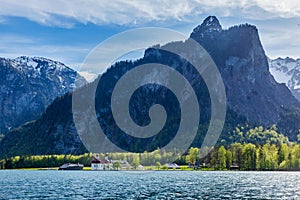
287,71
251,90
253,96
28,85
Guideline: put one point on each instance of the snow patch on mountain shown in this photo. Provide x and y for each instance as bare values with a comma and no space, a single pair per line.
287,71
29,84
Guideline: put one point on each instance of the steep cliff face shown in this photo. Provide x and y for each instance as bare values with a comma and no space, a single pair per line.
251,90
29,85
253,96
287,71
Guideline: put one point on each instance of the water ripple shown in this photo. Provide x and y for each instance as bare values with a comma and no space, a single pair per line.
154,185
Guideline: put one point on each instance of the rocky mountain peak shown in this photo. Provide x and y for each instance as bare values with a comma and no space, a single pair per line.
35,64
240,57
210,24
28,85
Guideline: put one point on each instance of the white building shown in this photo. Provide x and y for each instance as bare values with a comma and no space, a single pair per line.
101,164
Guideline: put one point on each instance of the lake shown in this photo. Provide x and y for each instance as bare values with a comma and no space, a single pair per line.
38,184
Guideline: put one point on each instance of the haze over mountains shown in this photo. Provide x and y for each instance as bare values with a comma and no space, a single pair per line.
253,95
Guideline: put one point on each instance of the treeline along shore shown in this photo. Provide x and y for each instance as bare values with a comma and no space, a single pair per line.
246,149
239,156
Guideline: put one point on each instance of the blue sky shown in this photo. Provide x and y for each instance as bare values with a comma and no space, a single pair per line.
68,30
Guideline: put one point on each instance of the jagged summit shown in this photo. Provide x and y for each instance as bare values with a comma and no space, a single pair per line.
211,23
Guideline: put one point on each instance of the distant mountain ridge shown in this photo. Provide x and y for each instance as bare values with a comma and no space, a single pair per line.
253,96
287,70
28,85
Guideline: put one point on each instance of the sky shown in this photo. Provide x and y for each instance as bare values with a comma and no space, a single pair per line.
68,31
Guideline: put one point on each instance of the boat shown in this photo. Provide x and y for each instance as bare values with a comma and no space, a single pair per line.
70,166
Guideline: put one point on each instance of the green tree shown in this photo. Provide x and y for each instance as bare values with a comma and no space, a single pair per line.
158,165
268,157
135,161
221,158
213,158
283,152
273,154
228,159
236,150
117,165
156,157
295,161
192,156
249,156
260,158
290,161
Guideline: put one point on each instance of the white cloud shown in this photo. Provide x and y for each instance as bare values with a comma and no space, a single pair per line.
61,13
279,39
289,8
13,46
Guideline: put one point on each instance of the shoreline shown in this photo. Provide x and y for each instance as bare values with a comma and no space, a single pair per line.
160,170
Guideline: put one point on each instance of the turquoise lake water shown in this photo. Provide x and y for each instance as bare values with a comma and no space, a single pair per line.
19,184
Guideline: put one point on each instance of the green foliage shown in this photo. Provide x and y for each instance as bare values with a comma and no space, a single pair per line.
117,165
289,123
247,156
158,165
148,158
228,159
135,161
249,149
221,158
44,161
256,135
192,156
236,150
